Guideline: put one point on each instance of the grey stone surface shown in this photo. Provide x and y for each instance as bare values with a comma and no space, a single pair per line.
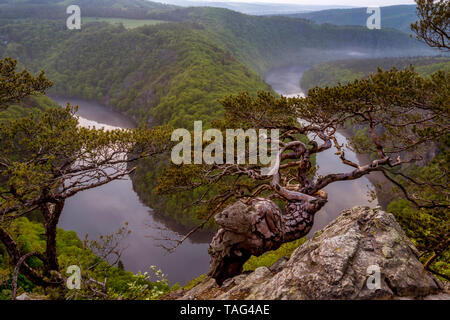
335,264
31,296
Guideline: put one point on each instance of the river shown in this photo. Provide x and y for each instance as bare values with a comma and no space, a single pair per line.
103,210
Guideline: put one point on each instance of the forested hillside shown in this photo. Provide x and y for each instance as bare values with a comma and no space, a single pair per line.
167,66
225,45
56,9
174,73
267,42
397,17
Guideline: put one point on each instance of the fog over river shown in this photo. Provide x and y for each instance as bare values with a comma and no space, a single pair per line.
105,209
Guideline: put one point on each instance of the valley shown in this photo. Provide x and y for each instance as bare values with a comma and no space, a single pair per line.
100,211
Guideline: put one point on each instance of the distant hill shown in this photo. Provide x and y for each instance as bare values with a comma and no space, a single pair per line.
344,71
264,42
398,17
260,42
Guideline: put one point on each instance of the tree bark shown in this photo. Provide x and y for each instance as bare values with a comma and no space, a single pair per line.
256,227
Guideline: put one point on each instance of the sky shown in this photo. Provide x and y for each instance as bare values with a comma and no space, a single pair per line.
357,3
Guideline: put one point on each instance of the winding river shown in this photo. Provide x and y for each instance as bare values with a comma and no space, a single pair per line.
342,194
105,209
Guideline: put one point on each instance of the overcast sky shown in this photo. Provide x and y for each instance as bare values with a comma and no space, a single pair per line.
357,3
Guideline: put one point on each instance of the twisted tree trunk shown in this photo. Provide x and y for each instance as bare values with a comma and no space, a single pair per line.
254,227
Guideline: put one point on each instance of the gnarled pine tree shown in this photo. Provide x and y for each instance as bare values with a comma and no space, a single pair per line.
402,114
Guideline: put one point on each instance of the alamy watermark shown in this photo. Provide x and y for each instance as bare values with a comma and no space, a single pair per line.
374,277
374,20
74,279
73,22
240,147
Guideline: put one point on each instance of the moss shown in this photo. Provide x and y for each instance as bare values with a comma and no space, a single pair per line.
269,258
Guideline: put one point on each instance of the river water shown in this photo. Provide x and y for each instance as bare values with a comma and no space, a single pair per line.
343,194
105,209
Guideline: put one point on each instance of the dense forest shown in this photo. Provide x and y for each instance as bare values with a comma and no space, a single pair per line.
56,9
238,41
344,71
176,72
139,87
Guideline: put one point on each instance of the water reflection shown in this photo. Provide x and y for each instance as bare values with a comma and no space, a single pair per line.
105,209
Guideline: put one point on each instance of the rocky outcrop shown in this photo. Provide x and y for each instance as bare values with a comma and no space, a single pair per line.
253,227
363,254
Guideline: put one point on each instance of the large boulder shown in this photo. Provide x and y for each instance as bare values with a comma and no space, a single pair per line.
363,254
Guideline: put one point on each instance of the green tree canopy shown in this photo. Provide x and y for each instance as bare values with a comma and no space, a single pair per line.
14,86
433,27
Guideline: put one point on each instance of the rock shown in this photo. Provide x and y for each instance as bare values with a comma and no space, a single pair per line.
339,262
31,296
253,227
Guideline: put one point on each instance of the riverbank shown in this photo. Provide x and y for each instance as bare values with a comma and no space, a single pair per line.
377,179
